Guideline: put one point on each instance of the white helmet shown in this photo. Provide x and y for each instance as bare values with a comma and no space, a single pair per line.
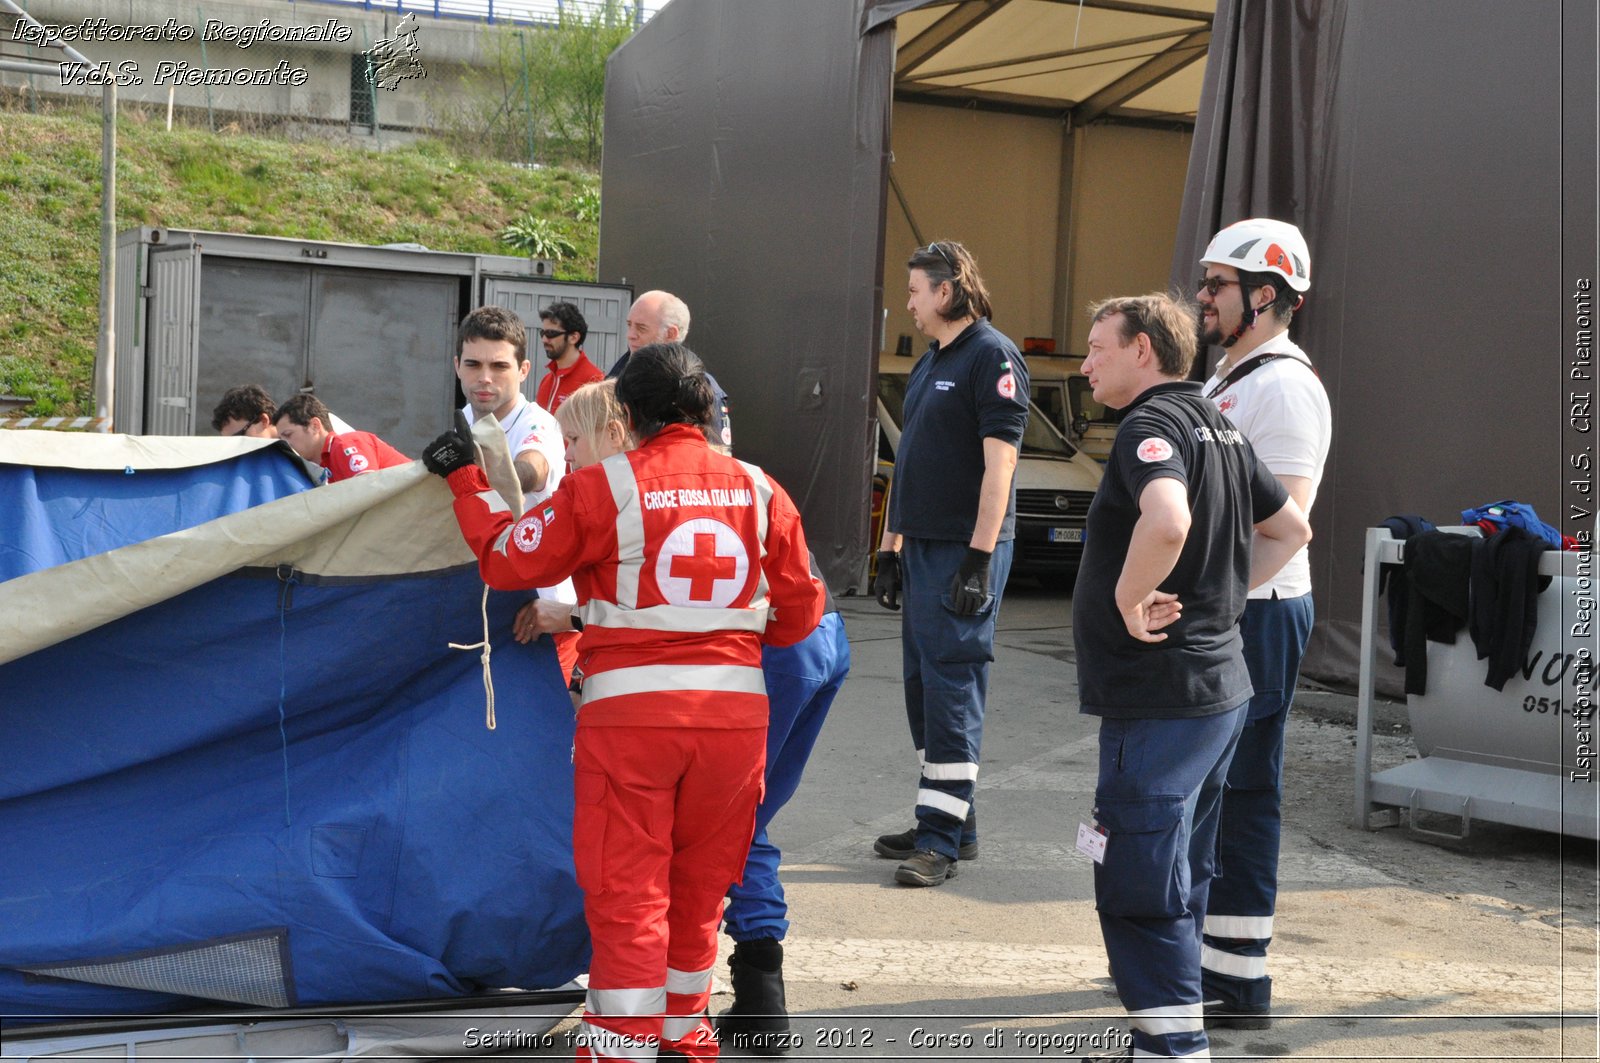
1262,245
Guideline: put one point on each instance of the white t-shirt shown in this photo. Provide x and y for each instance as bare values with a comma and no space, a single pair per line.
1282,409
530,427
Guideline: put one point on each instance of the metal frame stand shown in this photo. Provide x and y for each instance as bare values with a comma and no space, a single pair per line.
1468,789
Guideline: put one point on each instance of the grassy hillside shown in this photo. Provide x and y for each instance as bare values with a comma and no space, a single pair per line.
50,203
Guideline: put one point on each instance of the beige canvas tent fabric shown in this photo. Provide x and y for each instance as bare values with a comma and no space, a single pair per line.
391,521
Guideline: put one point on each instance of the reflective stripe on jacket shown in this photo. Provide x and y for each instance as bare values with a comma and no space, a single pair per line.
688,561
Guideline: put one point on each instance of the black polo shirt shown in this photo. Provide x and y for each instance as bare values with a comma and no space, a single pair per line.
1172,430
958,396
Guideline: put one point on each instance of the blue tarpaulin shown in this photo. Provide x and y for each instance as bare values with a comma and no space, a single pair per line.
277,786
52,516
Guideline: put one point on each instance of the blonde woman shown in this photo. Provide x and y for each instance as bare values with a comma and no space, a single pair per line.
593,428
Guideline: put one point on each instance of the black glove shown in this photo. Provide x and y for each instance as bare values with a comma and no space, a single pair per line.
451,451
970,588
886,584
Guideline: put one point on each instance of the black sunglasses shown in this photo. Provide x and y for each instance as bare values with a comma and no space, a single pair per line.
552,333
936,249
1212,285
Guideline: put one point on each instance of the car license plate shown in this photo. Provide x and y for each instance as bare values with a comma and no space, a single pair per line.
1066,535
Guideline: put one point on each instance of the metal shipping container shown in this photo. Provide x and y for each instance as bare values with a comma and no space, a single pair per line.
369,330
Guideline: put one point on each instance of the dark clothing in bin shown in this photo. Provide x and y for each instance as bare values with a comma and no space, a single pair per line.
1393,579
1505,600
1438,570
1454,581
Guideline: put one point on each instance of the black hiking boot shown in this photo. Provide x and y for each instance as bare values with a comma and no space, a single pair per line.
758,1021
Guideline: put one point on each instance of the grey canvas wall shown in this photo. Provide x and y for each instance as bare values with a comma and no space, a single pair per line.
744,170
1430,153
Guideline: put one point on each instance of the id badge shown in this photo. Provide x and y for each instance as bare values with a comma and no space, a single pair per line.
1092,842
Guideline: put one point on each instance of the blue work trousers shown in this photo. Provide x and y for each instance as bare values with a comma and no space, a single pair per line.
802,681
946,667
1239,914
1158,798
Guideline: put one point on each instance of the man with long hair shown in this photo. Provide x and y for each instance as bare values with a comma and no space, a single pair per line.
946,546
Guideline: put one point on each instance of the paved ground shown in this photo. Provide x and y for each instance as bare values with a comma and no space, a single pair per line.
1388,947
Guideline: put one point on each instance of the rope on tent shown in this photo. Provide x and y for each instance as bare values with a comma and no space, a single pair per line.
488,678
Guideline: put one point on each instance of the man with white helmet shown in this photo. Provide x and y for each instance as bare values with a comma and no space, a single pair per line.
1256,274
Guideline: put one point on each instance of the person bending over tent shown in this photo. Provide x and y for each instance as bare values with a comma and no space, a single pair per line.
247,410
688,562
303,422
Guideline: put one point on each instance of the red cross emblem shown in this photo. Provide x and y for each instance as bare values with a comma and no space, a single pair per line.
702,562
527,534
703,567
1154,449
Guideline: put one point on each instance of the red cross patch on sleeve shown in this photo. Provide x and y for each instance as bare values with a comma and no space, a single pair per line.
528,533
1154,449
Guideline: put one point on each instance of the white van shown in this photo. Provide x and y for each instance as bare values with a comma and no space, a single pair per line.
1058,386
1055,483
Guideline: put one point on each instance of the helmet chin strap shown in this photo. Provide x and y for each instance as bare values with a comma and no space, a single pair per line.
1247,320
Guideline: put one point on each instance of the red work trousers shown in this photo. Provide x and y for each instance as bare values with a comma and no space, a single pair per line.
566,652
662,827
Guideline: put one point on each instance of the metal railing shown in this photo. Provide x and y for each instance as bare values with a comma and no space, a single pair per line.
528,12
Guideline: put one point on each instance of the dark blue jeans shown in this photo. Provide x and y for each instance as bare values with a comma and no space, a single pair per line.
1238,924
946,667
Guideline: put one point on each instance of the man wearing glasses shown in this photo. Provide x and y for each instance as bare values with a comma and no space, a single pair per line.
563,330
951,522
1256,274
246,410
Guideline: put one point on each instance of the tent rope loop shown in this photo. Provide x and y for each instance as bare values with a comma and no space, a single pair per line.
488,678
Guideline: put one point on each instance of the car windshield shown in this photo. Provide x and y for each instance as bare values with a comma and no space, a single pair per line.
1051,397
1039,439
1083,401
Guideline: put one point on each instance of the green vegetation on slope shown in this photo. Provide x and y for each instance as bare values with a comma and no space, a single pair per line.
50,203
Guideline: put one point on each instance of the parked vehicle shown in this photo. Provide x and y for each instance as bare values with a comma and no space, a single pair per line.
1055,483
1061,390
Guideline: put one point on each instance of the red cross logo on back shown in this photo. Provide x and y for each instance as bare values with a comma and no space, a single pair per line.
703,567
702,562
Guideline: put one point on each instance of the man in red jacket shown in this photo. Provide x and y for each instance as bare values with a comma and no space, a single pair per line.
687,562
303,421
563,330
